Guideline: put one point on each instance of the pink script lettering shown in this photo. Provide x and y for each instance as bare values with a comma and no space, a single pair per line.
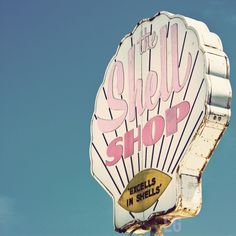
151,91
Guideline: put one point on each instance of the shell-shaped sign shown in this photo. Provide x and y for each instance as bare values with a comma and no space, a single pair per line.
160,112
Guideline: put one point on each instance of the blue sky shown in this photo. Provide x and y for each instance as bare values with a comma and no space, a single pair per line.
53,54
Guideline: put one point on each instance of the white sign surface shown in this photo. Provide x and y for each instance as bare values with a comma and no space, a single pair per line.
159,113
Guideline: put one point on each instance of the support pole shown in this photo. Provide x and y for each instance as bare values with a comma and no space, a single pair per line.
156,231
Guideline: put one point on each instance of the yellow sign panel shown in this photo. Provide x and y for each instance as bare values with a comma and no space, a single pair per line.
144,190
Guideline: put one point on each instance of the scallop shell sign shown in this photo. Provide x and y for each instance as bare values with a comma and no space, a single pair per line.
159,114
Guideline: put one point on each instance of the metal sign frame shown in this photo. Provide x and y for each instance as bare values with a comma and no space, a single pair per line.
202,141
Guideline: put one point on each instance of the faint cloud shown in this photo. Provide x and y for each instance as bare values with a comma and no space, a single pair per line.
233,18
7,212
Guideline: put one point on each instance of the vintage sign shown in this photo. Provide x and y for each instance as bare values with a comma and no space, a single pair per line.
159,114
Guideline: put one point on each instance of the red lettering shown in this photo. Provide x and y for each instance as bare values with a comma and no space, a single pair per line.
130,140
150,134
115,151
174,115
158,123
